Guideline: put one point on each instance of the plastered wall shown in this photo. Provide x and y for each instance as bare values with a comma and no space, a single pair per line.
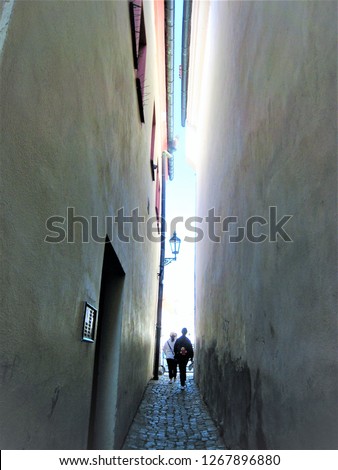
71,136
266,329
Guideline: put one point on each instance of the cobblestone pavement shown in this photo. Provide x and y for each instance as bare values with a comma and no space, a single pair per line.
172,419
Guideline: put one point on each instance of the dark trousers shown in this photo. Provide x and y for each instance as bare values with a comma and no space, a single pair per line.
172,367
182,364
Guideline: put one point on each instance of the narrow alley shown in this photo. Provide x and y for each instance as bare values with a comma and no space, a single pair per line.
168,164
173,419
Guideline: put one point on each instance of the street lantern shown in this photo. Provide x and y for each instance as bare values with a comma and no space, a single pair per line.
175,245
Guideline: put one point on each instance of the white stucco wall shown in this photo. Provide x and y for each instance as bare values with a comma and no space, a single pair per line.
266,312
71,136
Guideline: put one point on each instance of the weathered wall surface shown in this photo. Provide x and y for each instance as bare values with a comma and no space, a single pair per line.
71,136
266,312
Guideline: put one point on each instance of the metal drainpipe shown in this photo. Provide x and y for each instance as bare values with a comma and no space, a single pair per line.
169,46
161,274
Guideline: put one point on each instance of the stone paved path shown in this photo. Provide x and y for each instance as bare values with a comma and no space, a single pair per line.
170,418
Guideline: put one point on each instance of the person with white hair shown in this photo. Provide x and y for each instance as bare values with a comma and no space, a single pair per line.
168,349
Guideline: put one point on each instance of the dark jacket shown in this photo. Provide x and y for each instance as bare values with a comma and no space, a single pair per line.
187,352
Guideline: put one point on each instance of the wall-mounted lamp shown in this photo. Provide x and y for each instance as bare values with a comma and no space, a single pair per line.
175,245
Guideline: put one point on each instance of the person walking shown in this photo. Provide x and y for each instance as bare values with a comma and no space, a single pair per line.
168,349
183,352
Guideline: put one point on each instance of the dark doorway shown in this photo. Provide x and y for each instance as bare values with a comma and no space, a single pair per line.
107,353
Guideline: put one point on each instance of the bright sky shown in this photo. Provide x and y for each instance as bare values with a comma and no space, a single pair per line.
178,299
